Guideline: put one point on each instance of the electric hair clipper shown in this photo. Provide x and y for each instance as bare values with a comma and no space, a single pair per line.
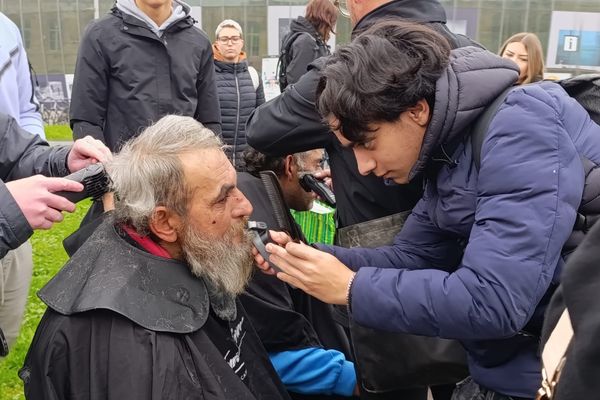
310,183
95,183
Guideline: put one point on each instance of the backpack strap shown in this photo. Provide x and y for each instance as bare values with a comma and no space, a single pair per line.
254,76
481,126
284,58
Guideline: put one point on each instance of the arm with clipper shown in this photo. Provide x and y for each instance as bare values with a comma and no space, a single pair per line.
30,202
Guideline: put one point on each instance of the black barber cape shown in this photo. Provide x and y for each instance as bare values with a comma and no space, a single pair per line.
125,324
286,318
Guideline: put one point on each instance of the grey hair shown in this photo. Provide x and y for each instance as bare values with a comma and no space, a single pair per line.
148,172
302,158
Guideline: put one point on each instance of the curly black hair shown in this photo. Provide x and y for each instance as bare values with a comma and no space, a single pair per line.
383,72
257,162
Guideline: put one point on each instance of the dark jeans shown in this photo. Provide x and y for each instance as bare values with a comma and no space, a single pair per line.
469,390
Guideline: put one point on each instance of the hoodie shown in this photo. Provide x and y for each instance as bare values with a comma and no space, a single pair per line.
179,12
307,46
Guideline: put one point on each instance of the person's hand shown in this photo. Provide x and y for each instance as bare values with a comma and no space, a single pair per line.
317,273
325,175
36,199
281,238
85,152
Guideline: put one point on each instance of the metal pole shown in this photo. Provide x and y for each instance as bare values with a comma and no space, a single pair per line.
77,19
43,49
96,9
501,30
527,9
20,16
60,40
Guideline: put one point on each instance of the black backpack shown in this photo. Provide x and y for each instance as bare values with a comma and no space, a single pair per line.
586,90
285,57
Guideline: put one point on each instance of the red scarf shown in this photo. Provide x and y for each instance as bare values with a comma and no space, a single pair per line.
146,243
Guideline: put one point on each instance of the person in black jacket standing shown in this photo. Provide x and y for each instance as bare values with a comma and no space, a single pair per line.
307,39
142,61
577,294
290,123
239,87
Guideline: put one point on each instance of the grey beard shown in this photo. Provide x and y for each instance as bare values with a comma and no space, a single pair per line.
227,265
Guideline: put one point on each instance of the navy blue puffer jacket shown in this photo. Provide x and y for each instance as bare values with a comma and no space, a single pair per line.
238,98
514,214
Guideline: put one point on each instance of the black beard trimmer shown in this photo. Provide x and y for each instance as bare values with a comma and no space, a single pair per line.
95,183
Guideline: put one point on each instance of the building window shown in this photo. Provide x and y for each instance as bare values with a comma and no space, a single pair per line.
54,36
26,32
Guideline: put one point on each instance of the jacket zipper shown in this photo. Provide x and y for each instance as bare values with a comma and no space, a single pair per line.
237,116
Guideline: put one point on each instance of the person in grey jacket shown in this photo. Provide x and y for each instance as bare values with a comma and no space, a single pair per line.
142,61
17,99
28,202
239,86
308,36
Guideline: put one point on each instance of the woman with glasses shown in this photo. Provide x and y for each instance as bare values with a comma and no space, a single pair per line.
239,88
307,39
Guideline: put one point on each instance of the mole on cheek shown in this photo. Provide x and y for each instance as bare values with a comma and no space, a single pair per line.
214,222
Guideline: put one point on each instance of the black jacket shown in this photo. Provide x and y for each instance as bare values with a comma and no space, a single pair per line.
290,123
126,78
238,98
306,47
126,324
580,285
285,318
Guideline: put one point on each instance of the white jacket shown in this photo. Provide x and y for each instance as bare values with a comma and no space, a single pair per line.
16,89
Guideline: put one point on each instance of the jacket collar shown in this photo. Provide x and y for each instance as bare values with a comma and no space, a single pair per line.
414,10
472,81
221,66
141,28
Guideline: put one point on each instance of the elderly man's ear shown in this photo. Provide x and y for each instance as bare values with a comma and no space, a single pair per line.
165,224
290,168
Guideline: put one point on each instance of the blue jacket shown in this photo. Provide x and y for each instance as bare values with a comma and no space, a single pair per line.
482,247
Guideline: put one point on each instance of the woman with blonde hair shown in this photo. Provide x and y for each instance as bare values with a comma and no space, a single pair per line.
525,49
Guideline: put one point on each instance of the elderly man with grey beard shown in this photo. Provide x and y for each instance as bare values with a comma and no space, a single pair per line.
147,307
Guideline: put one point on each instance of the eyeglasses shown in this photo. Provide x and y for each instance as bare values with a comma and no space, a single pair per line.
342,6
225,39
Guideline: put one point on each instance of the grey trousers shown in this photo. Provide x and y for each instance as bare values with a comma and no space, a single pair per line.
15,277
469,390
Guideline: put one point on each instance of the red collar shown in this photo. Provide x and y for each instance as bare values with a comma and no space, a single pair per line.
146,243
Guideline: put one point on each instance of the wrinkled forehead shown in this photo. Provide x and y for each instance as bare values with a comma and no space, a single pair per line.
313,158
208,171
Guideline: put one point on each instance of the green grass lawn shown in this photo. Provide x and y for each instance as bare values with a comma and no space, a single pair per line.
48,257
58,132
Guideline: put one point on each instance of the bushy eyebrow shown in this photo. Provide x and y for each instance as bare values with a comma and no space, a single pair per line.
225,190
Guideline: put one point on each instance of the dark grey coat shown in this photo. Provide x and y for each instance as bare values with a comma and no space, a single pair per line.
21,155
126,78
306,47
